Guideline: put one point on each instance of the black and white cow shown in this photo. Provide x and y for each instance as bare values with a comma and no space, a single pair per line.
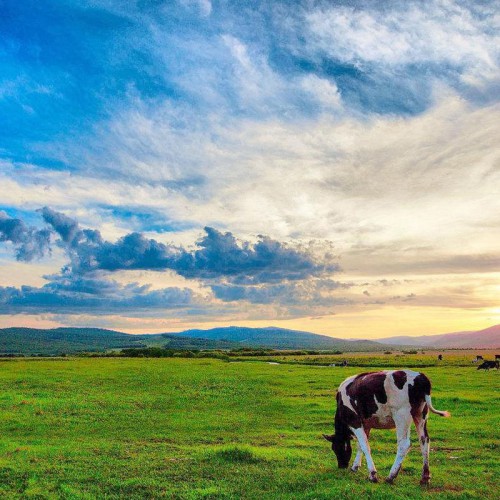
489,364
382,400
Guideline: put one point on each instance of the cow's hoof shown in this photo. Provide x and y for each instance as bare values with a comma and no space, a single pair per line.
355,468
425,481
373,477
390,480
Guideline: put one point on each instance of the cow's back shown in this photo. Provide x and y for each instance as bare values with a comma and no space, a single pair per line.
376,396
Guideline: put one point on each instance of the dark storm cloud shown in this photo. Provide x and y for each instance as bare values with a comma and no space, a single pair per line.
29,242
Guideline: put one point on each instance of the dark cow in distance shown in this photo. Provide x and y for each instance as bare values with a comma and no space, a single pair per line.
489,364
382,400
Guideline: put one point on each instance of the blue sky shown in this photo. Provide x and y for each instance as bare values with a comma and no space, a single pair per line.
319,165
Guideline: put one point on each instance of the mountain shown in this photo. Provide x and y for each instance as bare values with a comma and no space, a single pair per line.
489,338
281,338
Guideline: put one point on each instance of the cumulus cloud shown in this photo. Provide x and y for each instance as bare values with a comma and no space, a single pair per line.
29,242
217,254
218,259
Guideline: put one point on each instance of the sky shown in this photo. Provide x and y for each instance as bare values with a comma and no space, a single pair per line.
324,166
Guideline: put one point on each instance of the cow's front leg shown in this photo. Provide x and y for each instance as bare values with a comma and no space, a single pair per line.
365,448
357,460
403,421
359,454
425,444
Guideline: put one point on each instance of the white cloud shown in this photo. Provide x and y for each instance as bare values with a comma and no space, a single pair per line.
438,32
323,90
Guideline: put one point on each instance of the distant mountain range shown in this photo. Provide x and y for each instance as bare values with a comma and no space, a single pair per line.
32,341
489,338
281,338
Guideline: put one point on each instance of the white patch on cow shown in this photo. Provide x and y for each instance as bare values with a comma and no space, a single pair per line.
343,394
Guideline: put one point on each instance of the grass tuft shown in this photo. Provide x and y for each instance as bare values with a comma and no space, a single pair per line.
237,455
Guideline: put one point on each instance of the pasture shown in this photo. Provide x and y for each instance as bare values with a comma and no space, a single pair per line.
204,428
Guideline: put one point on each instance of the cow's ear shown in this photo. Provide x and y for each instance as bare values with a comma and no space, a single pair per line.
329,438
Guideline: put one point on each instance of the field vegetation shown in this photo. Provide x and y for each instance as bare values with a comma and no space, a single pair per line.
195,428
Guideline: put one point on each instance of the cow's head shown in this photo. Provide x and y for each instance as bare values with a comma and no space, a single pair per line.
342,448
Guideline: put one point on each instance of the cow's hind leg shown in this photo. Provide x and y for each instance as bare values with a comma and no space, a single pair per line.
365,448
403,422
425,444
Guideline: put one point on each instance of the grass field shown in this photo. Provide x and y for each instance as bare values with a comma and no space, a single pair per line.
204,428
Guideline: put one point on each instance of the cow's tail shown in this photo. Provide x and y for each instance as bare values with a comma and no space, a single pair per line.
437,412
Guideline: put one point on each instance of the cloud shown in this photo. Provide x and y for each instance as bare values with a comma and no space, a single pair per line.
265,271
217,255
442,36
69,294
29,242
315,294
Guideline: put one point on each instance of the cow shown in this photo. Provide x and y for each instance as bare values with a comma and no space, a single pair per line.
382,400
489,364
479,358
497,356
440,357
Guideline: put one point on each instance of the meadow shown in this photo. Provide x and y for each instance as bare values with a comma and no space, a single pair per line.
205,428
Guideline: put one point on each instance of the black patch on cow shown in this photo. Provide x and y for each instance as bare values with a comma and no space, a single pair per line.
417,391
365,391
399,378
345,418
341,442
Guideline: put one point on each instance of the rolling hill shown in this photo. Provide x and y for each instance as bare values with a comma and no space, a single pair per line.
281,338
31,341
64,340
489,338
47,342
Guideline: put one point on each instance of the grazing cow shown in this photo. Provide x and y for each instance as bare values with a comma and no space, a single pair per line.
382,400
440,357
489,364
479,358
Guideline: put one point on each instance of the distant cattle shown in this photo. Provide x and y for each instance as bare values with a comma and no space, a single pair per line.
479,358
382,400
497,356
489,364
440,357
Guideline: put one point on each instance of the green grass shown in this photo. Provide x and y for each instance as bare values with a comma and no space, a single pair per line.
203,428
